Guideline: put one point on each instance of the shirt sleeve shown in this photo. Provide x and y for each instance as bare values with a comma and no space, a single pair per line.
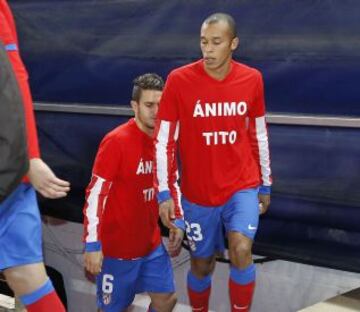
5,9
176,195
166,135
108,158
257,108
105,170
168,109
258,135
8,36
95,199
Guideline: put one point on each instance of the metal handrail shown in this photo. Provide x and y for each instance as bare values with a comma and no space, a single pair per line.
272,118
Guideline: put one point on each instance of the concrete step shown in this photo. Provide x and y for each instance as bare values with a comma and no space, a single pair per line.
347,302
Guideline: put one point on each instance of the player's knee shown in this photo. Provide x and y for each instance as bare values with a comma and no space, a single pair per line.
240,252
14,276
171,301
164,304
202,267
25,279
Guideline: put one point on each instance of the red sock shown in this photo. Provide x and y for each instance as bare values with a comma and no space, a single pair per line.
241,296
49,302
199,300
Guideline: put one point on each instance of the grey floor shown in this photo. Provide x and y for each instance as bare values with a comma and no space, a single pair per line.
281,286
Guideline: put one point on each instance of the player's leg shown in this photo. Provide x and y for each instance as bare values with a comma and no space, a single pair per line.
240,250
162,302
199,282
157,279
202,230
242,272
34,288
241,217
116,283
21,252
25,278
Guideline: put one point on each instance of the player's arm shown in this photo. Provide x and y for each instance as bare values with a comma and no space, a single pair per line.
5,10
259,140
8,36
97,192
165,182
95,199
166,135
41,176
176,234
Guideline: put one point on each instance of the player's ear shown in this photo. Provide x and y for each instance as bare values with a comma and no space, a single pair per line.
234,43
134,105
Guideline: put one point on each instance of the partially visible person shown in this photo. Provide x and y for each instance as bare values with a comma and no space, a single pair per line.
122,237
21,258
214,110
14,162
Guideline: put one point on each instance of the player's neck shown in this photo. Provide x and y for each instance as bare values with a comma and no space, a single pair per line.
220,72
144,128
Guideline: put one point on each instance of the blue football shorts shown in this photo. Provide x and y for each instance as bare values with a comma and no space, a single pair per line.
204,225
20,228
120,280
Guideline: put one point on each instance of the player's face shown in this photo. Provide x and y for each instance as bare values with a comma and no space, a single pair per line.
147,107
217,45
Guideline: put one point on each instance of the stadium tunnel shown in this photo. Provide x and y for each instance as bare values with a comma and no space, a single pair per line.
81,67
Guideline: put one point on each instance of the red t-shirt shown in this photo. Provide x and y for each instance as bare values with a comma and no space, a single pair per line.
221,132
121,211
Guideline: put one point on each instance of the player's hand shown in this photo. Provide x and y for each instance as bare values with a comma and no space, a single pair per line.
167,213
176,236
93,261
45,181
264,202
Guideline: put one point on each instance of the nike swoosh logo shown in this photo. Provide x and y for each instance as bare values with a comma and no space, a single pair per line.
236,307
250,227
197,309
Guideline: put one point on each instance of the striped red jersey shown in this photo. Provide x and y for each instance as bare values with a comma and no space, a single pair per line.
221,132
121,213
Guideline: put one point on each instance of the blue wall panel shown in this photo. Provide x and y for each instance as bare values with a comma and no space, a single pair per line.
89,51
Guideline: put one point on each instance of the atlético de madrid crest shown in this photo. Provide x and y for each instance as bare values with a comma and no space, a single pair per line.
106,299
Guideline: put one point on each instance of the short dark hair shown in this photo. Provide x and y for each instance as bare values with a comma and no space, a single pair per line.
216,17
148,81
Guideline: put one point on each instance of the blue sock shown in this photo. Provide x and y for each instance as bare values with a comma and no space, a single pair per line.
243,276
36,295
197,284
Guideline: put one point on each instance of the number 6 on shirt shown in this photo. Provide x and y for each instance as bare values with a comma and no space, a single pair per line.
107,285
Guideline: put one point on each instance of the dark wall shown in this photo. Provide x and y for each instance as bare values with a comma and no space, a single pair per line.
89,51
